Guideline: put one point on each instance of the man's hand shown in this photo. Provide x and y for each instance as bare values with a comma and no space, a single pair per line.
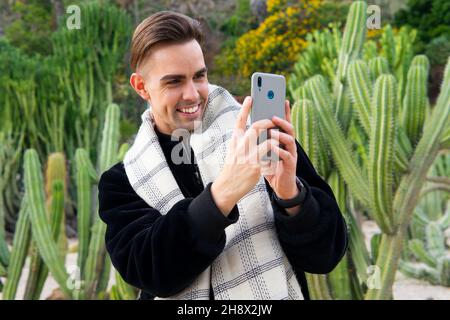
242,168
281,175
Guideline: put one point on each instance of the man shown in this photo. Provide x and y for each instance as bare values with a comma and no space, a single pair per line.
225,225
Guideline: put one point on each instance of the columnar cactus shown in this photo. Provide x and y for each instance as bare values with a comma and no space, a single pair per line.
41,230
415,101
381,154
20,245
385,179
70,91
55,177
377,67
86,173
351,47
108,30
93,263
96,265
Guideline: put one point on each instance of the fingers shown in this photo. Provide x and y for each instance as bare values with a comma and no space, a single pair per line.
286,139
264,147
241,120
262,125
252,134
285,125
250,140
269,168
284,155
287,109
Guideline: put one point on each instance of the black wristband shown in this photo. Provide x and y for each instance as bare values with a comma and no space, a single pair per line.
298,199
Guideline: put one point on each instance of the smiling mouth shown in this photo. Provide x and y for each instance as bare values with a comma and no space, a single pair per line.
189,110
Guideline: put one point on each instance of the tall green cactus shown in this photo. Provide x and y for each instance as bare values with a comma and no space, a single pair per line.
388,45
377,67
107,29
95,261
415,102
351,47
340,147
303,110
21,242
340,278
57,225
359,84
85,175
55,177
386,181
381,155
38,216
406,196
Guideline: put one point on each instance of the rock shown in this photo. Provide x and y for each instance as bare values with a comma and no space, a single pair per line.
56,295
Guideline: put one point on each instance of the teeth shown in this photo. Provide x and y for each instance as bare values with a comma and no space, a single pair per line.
190,110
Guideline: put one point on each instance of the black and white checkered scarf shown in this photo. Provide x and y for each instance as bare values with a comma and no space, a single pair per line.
252,264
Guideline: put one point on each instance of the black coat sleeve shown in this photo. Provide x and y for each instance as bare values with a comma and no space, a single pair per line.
151,251
315,239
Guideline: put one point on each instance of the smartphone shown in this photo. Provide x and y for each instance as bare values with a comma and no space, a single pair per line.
268,93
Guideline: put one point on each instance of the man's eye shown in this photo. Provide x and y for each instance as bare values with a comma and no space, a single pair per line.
173,82
200,75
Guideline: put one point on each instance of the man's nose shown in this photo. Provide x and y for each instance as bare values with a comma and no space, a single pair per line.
190,92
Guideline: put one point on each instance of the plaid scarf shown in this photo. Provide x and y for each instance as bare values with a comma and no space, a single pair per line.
252,265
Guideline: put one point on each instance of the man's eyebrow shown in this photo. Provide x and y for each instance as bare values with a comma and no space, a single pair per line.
182,76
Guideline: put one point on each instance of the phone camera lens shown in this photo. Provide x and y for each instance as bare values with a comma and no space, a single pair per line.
259,81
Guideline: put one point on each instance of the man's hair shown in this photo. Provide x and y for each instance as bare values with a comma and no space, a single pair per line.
162,27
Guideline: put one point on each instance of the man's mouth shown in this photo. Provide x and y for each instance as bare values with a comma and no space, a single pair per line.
189,110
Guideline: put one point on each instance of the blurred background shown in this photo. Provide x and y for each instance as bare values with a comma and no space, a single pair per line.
370,105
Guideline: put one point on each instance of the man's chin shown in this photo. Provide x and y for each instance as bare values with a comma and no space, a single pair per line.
191,124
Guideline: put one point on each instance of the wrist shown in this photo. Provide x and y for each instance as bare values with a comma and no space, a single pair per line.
223,196
294,201
289,193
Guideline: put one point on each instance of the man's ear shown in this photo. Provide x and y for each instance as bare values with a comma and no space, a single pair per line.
138,84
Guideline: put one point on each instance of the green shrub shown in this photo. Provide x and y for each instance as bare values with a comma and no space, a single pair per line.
438,49
31,30
430,17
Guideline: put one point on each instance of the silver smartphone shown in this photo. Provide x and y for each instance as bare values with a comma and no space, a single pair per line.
268,96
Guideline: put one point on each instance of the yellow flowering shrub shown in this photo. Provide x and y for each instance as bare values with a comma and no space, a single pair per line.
276,43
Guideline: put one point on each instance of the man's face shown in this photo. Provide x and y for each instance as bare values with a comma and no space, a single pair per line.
176,85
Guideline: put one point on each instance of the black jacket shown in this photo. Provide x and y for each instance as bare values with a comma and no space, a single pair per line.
163,254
